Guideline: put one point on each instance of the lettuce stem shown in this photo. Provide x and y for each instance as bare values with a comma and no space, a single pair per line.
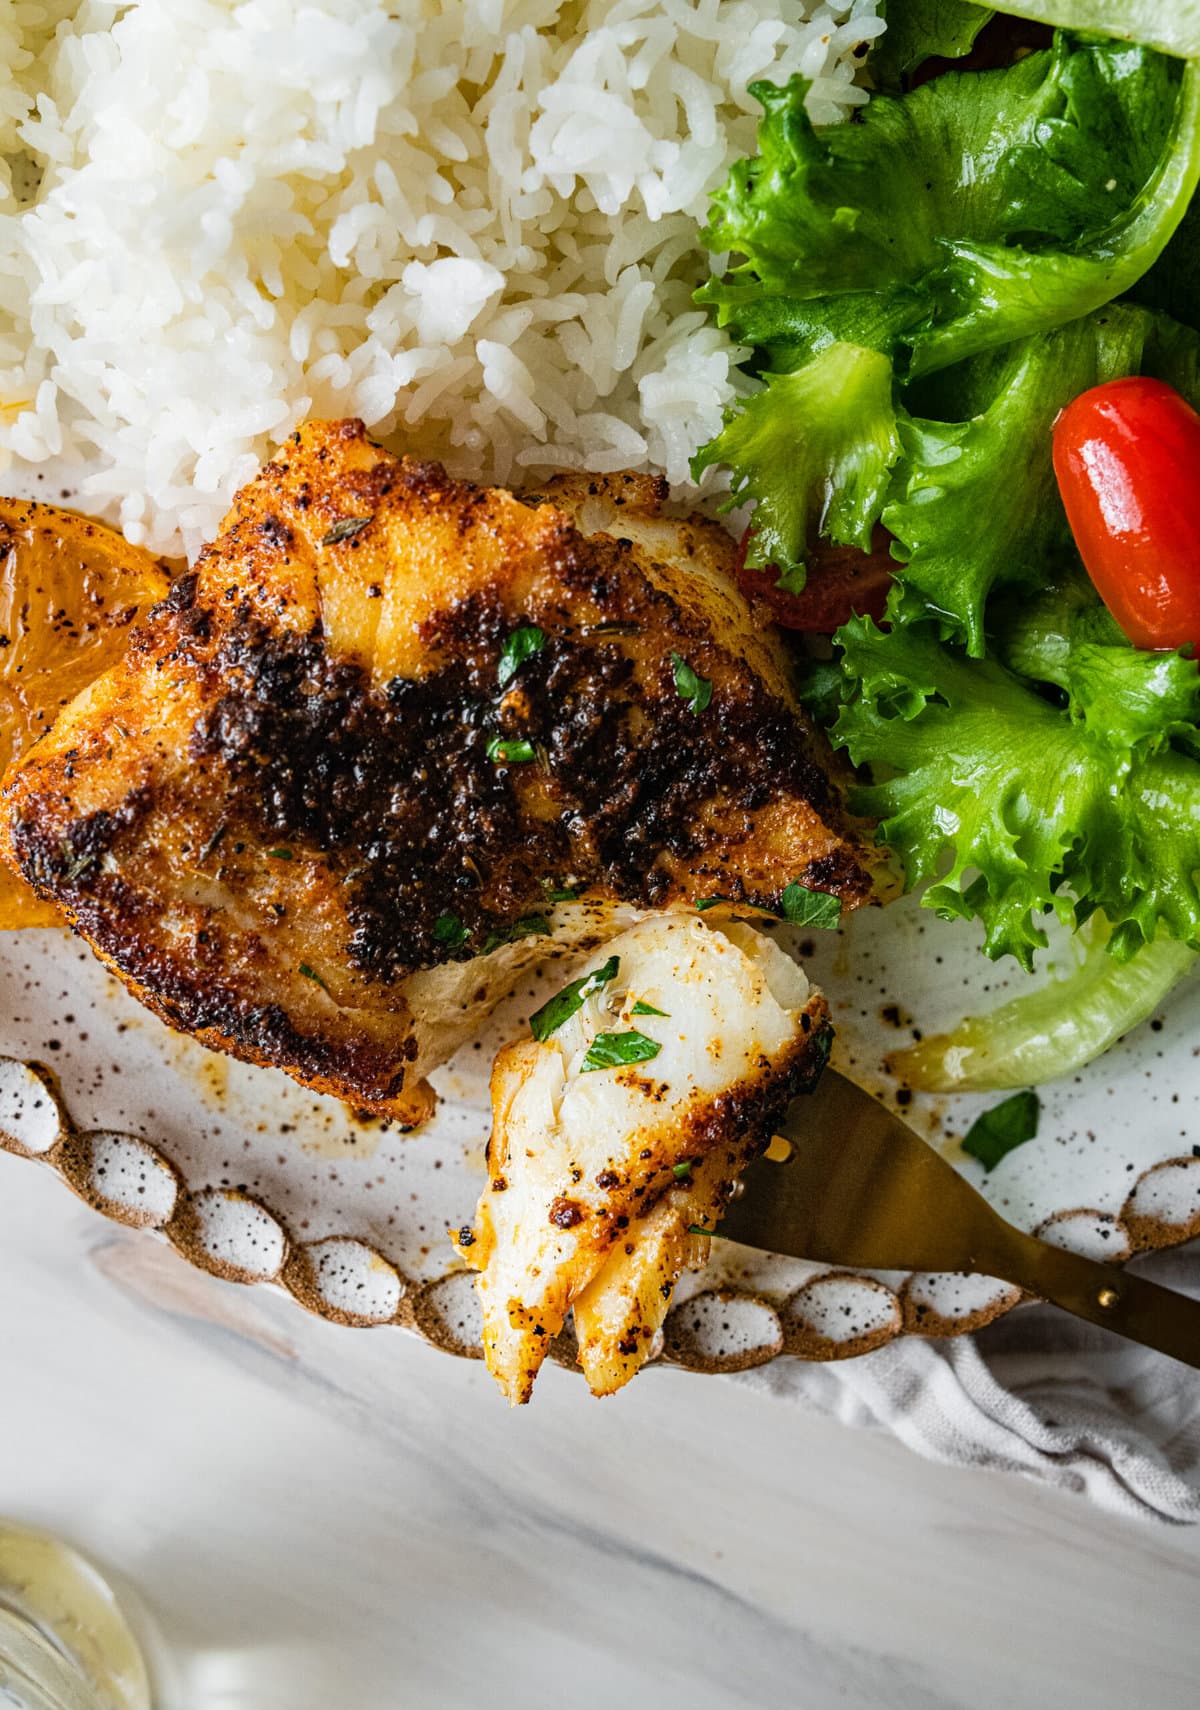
1172,26
1053,1031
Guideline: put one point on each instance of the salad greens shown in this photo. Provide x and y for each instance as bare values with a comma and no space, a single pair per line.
1055,1029
974,501
834,478
1172,25
921,29
979,209
923,290
1010,807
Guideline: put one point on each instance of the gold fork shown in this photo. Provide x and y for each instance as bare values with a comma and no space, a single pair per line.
862,1189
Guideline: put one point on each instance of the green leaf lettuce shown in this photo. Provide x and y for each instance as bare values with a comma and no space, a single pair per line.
1007,805
814,449
1056,1029
977,211
1172,25
917,29
974,502
989,205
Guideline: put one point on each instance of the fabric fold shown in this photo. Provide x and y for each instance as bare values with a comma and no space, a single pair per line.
1037,1393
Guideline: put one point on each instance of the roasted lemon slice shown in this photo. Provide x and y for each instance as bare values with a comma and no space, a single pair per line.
69,591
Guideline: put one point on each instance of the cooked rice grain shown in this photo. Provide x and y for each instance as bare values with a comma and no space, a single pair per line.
471,224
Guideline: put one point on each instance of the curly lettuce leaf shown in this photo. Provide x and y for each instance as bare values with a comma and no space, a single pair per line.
867,206
1121,109
787,330
814,449
989,784
974,502
1006,201
1170,25
1098,152
1153,883
919,29
1008,806
856,238
1135,697
843,209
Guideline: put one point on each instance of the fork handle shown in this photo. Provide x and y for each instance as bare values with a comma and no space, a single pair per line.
1133,1306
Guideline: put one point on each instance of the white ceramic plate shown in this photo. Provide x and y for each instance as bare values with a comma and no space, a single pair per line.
254,1179
259,1181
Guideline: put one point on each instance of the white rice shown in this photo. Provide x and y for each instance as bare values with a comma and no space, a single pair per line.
472,224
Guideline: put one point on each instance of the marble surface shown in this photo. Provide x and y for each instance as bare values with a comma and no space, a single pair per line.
321,1517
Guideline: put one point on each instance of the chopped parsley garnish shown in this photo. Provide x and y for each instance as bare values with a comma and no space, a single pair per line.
547,1020
513,750
529,926
281,854
614,1050
521,645
563,893
346,529
312,974
810,908
449,930
643,1008
999,1131
682,1172
715,902
688,683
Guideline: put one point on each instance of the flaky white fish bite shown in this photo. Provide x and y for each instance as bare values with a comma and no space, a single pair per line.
617,1129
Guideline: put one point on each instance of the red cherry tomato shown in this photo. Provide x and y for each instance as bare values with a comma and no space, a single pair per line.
1127,458
841,581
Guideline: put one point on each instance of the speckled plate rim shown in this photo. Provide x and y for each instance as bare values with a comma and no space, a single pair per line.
346,1280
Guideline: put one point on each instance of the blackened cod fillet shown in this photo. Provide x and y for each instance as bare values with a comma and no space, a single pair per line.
396,737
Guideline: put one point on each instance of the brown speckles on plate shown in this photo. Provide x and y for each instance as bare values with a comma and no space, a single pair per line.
359,1236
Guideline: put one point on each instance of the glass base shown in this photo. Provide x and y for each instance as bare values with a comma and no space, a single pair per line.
65,1643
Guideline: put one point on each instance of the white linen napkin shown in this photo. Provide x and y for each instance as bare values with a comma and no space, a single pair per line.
1037,1393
